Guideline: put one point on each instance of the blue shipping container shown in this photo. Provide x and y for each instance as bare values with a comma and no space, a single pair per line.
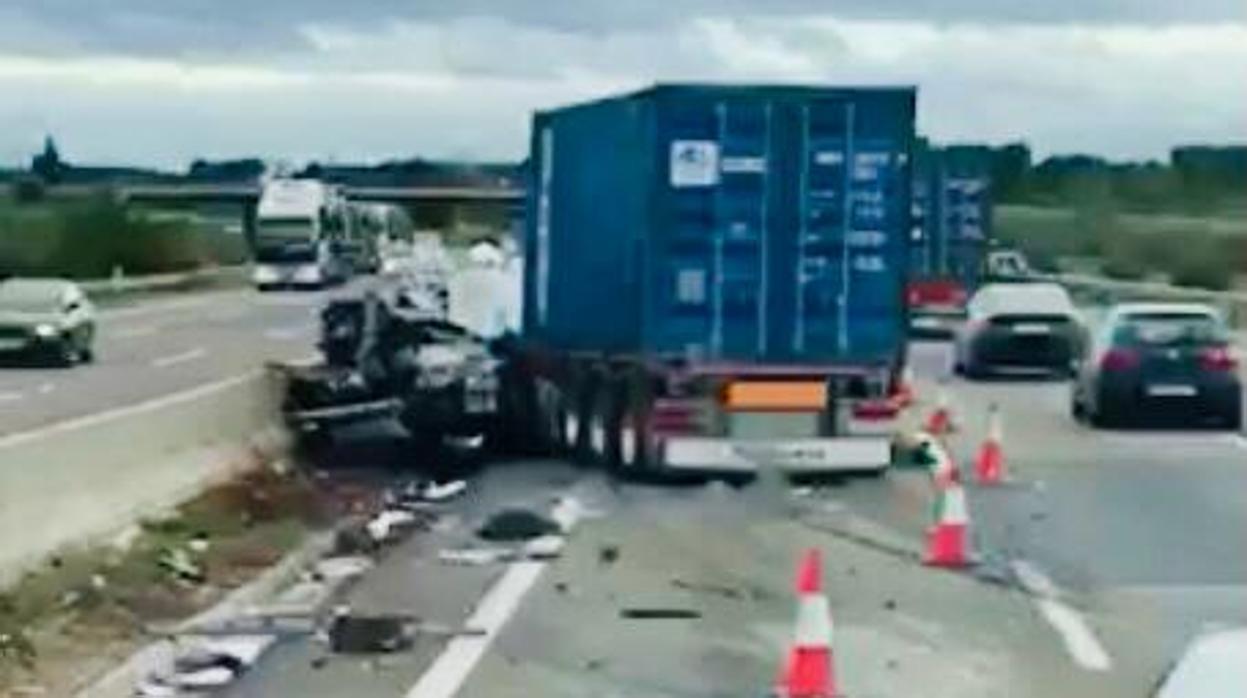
952,212
740,223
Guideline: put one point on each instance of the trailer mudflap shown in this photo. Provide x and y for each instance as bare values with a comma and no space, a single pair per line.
812,455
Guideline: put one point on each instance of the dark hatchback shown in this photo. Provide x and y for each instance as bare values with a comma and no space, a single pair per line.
1161,362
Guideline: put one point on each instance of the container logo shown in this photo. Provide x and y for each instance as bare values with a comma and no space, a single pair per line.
694,163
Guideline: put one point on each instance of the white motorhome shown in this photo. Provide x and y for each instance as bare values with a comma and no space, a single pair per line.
302,227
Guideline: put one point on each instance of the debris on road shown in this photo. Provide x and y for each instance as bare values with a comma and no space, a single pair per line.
364,634
544,547
333,569
707,588
517,524
434,492
608,554
208,665
389,525
473,556
417,494
660,613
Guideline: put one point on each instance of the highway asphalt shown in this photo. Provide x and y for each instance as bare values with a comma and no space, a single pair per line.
1099,562
162,346
1106,554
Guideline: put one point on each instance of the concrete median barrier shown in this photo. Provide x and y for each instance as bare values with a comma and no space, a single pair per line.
84,479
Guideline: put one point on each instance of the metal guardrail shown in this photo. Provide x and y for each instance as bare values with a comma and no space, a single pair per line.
119,285
1233,303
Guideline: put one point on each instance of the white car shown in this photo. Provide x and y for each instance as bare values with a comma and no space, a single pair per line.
50,319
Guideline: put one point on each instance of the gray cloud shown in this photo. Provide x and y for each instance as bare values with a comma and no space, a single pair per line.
186,28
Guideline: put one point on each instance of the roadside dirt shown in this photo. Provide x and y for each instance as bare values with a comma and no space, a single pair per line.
84,611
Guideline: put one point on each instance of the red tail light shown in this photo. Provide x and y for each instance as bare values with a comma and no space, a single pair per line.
1218,359
1119,360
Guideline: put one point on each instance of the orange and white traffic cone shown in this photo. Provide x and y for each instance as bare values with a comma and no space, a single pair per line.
989,466
940,422
947,540
808,670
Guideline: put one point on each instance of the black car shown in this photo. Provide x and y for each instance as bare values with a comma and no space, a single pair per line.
1031,326
1163,361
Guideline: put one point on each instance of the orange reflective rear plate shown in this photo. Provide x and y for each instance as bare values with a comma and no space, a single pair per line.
796,396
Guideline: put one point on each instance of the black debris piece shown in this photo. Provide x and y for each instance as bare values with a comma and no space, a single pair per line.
707,588
201,660
362,634
516,524
560,587
660,613
890,605
608,554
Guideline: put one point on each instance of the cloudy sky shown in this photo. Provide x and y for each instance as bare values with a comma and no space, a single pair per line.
160,82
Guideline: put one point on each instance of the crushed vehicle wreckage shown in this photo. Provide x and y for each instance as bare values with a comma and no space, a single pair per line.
395,357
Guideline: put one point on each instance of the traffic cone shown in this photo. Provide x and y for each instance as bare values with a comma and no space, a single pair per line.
947,539
940,422
808,670
989,467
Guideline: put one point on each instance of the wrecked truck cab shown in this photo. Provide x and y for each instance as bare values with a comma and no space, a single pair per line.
382,360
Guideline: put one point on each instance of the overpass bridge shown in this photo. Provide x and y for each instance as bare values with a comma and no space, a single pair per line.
246,196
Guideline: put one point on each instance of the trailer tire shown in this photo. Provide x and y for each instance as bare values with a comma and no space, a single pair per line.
604,424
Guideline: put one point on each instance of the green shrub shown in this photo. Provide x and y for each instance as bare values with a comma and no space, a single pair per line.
89,238
1203,263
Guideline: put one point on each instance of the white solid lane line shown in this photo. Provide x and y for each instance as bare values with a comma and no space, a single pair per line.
191,355
446,675
1080,641
289,333
11,396
46,388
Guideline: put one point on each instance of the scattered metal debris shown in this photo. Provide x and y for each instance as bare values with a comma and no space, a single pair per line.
434,492
659,613
338,568
473,556
545,547
705,588
390,524
208,665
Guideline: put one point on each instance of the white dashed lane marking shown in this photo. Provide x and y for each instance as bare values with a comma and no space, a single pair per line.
175,359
